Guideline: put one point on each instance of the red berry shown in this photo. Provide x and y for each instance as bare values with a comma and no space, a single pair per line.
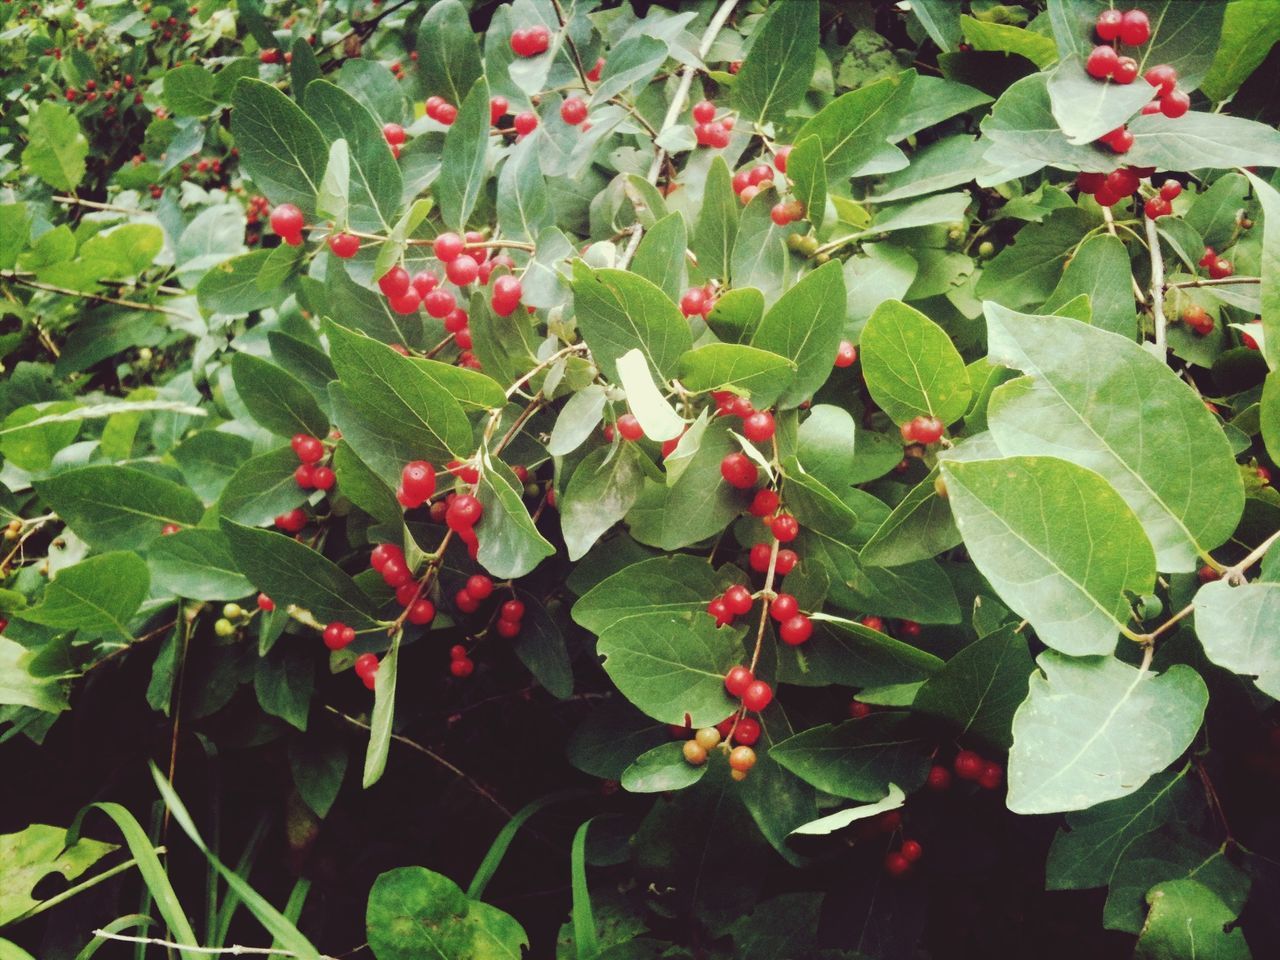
741,180
780,213
308,448
757,696
1126,71
497,109
939,778
418,480
465,602
508,629
479,586
704,111
846,354
462,270
968,765
463,339
896,865
406,593
337,635
783,607
264,56
464,512
433,105
395,282
439,303
1163,77
322,478
424,281
760,555
1108,24
366,665
747,732
796,630
780,158
912,850
265,603
1101,62
1090,182
286,220
1170,190
462,668
738,471
764,504
573,111
991,776
630,427
506,295
737,680
1135,28
343,245
720,610
692,301
525,123
293,521
1174,104
382,553
925,430
737,599
456,320
421,612
1157,207
786,562
447,246
594,73
1119,140
1221,268
393,133
758,427
406,304
512,611
717,135
741,407
784,527
858,709
872,622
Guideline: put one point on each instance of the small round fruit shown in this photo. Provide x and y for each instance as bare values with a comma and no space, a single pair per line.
421,612
784,607
858,710
447,246
759,427
896,865
629,427
1135,28
784,527
737,680
573,111
742,758
747,732
1163,77
968,765
780,158
786,562
704,111
912,850
418,480
694,753
440,303
465,601
1101,61
707,738
343,245
479,586
991,775
223,627
1221,268
1174,104
757,696
462,270
796,630
738,599
393,133
265,603
337,635
720,611
939,778
424,281
1170,190
1156,207
1108,24
738,471
846,354
395,282
1126,71
464,512
759,557
286,220
308,449
512,611
525,123
462,668
366,664
764,503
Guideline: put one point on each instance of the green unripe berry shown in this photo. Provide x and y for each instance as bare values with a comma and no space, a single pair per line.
233,611
1149,606
986,248
224,627
145,354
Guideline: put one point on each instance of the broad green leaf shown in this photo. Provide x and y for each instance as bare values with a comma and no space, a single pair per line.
736,314
610,737
510,544
635,59
941,20
808,173
1057,543
1022,128
618,311
524,202
284,681
853,127
1202,140
717,230
858,759
1007,38
472,389
15,232
363,487
120,252
1086,108
921,526
841,819
281,148
672,667
56,147
95,596
276,398
1269,269
541,647
911,366
1094,729
262,488
232,286
804,326
1095,398
851,654
209,458
1237,628
660,258
197,565
1249,30
463,167
448,52
826,444
658,420
756,373
604,486
1187,919
760,258
1026,272
664,586
941,165
334,198
292,573
20,687
1100,270
188,91
779,65
414,914
376,182
1084,855
1269,414
980,687
661,769
882,272
814,504
318,765
925,212
118,507
577,420
32,435
398,397
932,100
384,707
34,853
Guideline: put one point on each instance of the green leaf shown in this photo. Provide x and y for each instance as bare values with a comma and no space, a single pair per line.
375,178
760,258
663,586
524,202
980,687
932,100
736,314
842,818
198,565
209,458
717,230
541,648
777,69
1100,270
363,487
334,198
672,666
277,399
281,148
858,759
414,913
1095,729
577,420
510,544
15,232
117,507
658,420
911,366
941,20
1027,271
805,326
1202,140
1187,919
920,527
661,769
318,764
397,397
1007,38
1022,127
232,286
756,373
1057,543
661,255
33,854
95,596
56,147
1249,31
1269,269
603,488
19,686
188,91
1269,414
384,706
851,654
1086,108
941,165
291,573
463,167
284,681
618,311
32,435
633,60
1092,397
808,173
448,52
853,127
262,488
1236,627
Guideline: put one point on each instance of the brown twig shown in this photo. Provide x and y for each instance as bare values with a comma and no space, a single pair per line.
13,277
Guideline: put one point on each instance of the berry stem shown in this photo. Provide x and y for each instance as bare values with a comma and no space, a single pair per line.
573,47
1138,293
1202,282
1157,287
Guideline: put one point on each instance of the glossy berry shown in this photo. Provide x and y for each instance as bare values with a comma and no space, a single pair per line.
718,609
796,630
395,282
406,304
991,775
939,778
1108,24
395,573
525,123
464,512
424,281
308,448
512,610
742,758
759,427
786,562
293,521
924,430
629,427
286,220
784,527
596,70
858,710
573,111
738,599
896,865
846,354
506,295
694,753
497,109
780,158
741,407
407,593
1126,71
418,481
968,765
784,607
507,629
1170,190
421,612
393,133
462,667
704,111
1220,268
366,665
447,246
1163,77
764,504
382,554
737,680
757,696
440,303
912,850
1174,104
692,301
1135,28
1101,61
337,635
738,471
759,557
462,270
465,602
322,478
343,245
1119,140
1157,207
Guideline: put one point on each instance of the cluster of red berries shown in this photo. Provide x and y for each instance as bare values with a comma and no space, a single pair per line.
1198,319
922,429
441,110
1219,268
388,560
461,514
626,426
259,207
735,728
524,123
698,301
530,41
1161,205
741,683
1108,189
287,222
309,475
460,665
338,635
707,130
510,619
967,765
747,183
741,758
898,863
290,522
417,484
395,136
367,669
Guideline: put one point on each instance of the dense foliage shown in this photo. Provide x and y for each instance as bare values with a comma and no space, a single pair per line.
733,479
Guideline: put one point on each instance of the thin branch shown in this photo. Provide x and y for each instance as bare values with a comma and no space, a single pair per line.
98,297
234,950
558,355
94,205
573,47
1157,286
1218,282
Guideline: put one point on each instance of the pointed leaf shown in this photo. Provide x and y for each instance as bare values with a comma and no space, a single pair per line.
911,366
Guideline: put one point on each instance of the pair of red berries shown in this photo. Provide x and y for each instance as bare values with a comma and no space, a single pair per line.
898,862
1120,140
417,484
1108,189
507,292
388,560
477,589
530,41
793,626
1198,319
395,136
367,669
786,211
573,111
293,521
1132,27
287,222
462,513
734,602
338,635
759,176
758,559
460,665
755,694
1219,268
922,429
418,609
441,110
1170,101
969,765
1161,205
698,301
510,619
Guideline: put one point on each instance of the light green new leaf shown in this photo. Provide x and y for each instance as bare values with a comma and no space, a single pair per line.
334,197
841,819
510,544
448,52
661,769
658,420
1101,401
31,855
911,366
1269,269
857,759
20,687
805,326
619,311
95,596
1056,542
757,373
119,508
1237,627
1094,729
1007,38
1086,108
56,147
777,69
